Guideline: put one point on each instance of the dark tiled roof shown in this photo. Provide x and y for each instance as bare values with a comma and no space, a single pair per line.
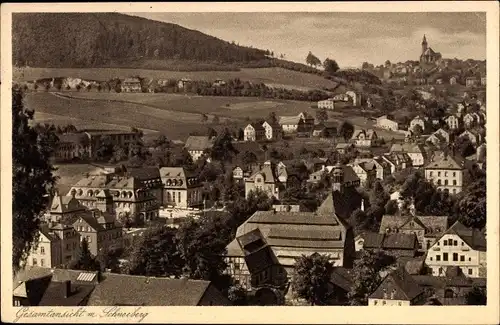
473,237
120,289
260,259
257,126
446,162
443,282
144,173
432,224
55,295
400,283
390,241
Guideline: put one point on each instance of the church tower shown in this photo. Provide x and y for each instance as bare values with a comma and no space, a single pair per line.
424,44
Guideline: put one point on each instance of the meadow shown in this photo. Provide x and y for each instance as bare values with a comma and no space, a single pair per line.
277,76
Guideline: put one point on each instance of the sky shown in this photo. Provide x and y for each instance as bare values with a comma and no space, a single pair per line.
348,38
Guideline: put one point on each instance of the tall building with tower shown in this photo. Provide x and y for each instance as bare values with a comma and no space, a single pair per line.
428,55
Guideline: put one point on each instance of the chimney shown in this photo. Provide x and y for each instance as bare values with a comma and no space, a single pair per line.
67,288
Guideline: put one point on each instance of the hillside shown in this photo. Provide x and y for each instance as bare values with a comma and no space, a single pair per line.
110,39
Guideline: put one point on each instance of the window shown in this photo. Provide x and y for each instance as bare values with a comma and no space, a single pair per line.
173,197
374,302
431,258
399,303
445,243
89,239
462,258
462,243
455,257
439,173
42,250
455,243
438,258
437,243
179,199
469,259
450,242
470,271
384,302
454,174
17,303
430,174
35,262
445,257
445,173
454,182
42,262
445,182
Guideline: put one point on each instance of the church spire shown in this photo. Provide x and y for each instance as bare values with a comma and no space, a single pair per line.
424,44
424,40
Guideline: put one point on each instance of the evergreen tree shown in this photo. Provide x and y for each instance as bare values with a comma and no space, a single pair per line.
86,261
32,178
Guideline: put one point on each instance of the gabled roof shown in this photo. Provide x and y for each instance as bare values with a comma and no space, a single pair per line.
64,204
256,126
120,289
289,120
389,241
198,143
144,173
473,237
267,172
369,134
446,162
432,224
400,285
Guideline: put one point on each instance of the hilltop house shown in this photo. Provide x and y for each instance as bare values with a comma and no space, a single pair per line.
385,122
197,145
327,104
181,188
301,123
458,246
364,138
273,130
447,173
254,132
131,85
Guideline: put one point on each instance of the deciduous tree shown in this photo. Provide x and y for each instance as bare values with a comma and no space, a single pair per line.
311,278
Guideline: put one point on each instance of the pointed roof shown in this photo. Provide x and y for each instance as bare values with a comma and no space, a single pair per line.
397,285
424,40
473,237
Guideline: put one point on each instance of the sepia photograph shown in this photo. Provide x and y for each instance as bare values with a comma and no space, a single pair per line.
247,158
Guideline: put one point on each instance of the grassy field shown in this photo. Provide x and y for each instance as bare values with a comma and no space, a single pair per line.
277,76
69,174
171,114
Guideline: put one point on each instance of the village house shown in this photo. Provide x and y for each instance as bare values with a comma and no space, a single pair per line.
426,228
470,120
446,173
453,122
458,246
397,161
394,244
355,97
35,286
385,122
273,131
302,122
183,83
327,104
417,120
266,180
101,230
181,188
325,130
57,244
197,145
397,289
439,138
364,138
415,151
471,81
453,80
452,288
366,171
483,81
474,137
289,235
219,83
131,85
343,148
254,132
119,193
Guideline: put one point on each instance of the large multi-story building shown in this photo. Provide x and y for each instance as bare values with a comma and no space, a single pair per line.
458,246
181,188
57,244
446,172
327,104
301,123
122,192
290,235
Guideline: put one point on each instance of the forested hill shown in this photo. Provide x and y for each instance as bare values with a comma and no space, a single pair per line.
107,39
